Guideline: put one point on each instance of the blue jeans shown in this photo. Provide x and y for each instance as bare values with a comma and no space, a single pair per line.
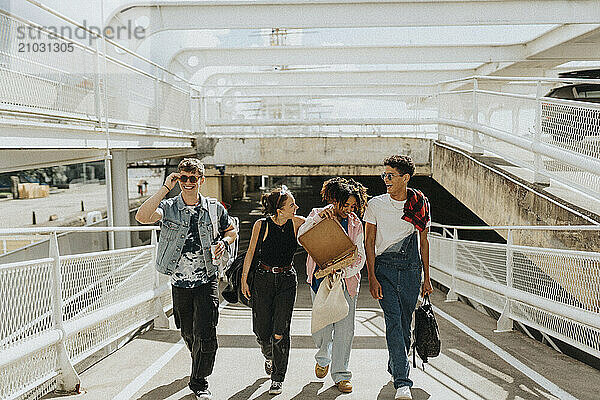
335,342
398,271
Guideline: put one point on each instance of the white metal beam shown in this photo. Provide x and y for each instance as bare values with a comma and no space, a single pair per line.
29,135
300,55
233,14
545,49
18,160
282,78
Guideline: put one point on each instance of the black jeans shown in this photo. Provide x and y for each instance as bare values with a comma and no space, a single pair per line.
196,313
273,297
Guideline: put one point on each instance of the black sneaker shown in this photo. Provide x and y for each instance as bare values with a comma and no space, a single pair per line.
268,367
203,394
276,387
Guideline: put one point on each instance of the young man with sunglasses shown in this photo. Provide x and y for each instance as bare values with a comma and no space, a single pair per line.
184,253
397,250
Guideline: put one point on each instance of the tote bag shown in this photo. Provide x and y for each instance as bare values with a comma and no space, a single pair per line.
330,304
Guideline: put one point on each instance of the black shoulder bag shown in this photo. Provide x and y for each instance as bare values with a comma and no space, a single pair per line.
426,335
233,291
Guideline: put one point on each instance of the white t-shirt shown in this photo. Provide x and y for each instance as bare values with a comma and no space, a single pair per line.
387,213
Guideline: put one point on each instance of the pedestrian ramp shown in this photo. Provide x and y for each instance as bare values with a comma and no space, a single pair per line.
156,364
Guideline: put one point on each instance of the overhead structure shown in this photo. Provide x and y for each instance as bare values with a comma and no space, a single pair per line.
192,15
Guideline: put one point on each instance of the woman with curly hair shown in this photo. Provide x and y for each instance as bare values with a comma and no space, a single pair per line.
344,198
273,289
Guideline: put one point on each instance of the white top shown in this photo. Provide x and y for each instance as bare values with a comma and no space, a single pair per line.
387,213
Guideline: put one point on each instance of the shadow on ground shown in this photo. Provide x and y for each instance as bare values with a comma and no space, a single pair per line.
388,392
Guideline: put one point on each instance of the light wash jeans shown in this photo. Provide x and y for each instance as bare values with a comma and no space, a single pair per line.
335,342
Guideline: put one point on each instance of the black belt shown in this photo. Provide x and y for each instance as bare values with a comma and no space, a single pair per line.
275,270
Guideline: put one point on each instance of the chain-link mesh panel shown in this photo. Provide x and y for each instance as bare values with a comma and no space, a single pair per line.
27,374
174,111
566,278
26,306
571,278
86,341
98,280
45,73
572,126
458,106
564,124
485,260
582,336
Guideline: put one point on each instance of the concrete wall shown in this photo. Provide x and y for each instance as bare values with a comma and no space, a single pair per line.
310,155
497,200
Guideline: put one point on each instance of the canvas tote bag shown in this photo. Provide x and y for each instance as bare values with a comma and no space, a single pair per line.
330,304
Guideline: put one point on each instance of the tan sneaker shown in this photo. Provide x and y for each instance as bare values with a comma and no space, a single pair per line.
321,372
344,386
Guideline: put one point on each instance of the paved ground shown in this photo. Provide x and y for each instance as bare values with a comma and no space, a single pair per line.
67,203
506,366
156,365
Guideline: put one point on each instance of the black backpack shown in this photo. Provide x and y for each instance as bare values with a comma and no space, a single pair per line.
426,335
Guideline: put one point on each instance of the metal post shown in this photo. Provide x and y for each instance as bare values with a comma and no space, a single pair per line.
538,176
67,380
477,149
157,100
505,323
160,321
120,197
452,295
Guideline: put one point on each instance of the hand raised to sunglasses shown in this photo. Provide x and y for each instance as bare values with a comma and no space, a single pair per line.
172,179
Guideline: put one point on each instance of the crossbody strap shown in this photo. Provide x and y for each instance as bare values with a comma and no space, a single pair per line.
212,213
261,234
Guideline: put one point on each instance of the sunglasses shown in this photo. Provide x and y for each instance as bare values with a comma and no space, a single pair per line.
192,179
388,175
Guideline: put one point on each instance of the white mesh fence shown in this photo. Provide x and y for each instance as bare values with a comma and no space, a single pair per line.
104,295
53,75
569,130
554,291
26,298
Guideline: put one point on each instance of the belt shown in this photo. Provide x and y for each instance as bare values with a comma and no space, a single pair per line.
275,270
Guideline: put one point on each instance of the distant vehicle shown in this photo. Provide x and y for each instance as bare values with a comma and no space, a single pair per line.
577,129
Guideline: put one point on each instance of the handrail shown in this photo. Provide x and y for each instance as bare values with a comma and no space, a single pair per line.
61,229
521,227
112,42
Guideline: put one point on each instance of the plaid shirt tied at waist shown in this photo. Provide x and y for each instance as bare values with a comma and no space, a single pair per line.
416,209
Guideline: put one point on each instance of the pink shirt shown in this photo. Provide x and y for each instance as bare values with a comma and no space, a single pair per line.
356,234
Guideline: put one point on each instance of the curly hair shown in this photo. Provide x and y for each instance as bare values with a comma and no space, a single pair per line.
273,201
338,190
360,192
403,164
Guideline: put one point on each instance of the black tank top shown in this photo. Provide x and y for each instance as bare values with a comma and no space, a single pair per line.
280,244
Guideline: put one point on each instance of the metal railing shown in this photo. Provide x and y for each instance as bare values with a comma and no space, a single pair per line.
56,77
555,291
555,139
11,243
61,309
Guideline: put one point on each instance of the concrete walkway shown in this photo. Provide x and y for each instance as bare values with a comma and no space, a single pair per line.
475,363
156,365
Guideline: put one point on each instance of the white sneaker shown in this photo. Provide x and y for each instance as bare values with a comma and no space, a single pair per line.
403,392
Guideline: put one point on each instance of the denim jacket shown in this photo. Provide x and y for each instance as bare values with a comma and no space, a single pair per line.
175,226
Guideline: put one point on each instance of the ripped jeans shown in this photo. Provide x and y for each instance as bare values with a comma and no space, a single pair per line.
196,312
273,297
